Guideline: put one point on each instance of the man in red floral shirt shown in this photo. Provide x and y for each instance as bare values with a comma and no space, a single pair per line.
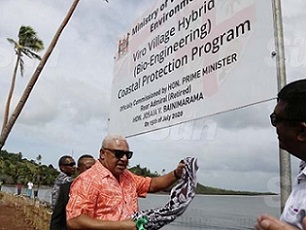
106,195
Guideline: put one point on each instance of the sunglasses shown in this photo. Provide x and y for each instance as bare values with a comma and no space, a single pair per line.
276,119
120,153
70,164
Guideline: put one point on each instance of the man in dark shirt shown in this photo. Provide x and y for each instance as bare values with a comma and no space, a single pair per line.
67,170
58,219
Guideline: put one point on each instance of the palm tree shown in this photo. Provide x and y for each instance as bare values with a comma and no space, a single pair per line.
26,93
28,44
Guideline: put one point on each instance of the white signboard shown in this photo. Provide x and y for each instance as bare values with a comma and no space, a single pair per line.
184,60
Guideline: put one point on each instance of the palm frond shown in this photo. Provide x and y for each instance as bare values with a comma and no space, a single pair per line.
30,53
28,38
28,44
27,53
36,45
12,41
26,32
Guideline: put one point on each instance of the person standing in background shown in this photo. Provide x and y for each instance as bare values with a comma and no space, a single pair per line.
35,191
58,218
19,187
30,188
67,167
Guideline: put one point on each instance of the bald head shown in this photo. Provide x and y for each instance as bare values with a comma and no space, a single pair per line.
85,162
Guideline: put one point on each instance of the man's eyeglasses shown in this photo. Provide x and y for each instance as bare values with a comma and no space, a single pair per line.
70,164
120,153
276,119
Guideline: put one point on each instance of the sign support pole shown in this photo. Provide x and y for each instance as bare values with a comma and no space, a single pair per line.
284,156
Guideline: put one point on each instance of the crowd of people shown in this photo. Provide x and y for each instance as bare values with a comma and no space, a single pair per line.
105,193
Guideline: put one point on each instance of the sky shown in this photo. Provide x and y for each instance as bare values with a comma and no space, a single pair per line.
68,109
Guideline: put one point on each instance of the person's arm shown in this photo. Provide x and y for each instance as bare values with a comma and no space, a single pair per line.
163,182
85,222
267,222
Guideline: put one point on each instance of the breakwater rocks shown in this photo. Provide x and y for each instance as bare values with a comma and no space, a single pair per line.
33,213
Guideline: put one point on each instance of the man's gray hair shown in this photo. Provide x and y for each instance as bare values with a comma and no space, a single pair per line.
112,137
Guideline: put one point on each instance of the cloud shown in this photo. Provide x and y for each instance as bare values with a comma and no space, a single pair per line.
68,109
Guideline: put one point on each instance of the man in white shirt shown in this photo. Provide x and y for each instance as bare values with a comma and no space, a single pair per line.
289,119
295,208
30,188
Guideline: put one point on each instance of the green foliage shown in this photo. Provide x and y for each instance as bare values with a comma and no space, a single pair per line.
201,189
14,168
142,171
28,44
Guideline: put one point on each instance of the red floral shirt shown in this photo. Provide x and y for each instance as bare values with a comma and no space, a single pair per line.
98,194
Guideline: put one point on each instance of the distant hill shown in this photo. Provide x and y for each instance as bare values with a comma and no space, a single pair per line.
201,189
14,168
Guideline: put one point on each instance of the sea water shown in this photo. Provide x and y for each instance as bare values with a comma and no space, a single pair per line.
218,212
209,212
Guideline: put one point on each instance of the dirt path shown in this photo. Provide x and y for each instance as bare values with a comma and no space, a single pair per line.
12,218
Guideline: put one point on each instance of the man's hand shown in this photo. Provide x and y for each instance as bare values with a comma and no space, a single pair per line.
267,222
128,224
178,172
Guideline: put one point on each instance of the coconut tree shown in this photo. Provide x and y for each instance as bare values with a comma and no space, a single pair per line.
27,45
26,93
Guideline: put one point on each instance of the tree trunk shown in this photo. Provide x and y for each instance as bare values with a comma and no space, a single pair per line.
34,78
9,97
